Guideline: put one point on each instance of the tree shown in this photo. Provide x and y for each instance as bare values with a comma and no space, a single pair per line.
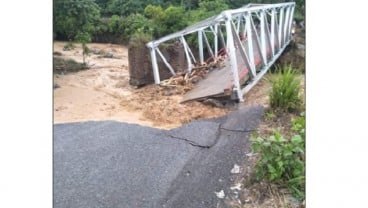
74,18
165,21
207,9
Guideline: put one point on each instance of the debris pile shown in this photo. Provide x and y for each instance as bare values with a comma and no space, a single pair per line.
161,105
198,73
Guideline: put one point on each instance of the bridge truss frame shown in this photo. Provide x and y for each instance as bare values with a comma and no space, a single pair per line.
267,25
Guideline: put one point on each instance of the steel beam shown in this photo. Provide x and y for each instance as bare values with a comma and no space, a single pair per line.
216,40
280,27
250,44
165,61
273,32
156,73
208,45
243,53
200,46
290,22
263,71
258,42
286,23
189,62
233,61
263,38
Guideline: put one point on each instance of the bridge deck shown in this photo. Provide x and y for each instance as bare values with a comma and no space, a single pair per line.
212,86
218,82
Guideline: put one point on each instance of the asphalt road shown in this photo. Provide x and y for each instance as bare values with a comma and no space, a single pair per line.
113,164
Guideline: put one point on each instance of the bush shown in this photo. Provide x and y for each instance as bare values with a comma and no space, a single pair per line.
285,90
83,37
63,66
69,46
135,23
139,39
282,160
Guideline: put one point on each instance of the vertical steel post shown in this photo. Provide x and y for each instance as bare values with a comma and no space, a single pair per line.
273,32
268,33
186,54
233,61
200,46
245,24
277,32
216,40
222,38
280,27
250,43
286,23
238,24
263,37
156,74
290,22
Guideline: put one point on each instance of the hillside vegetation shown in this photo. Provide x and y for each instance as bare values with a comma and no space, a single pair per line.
115,21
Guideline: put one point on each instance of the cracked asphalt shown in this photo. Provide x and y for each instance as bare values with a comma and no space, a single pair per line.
113,164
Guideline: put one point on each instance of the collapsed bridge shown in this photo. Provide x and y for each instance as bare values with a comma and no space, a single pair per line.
248,40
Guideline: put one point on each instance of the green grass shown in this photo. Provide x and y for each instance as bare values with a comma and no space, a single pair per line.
285,89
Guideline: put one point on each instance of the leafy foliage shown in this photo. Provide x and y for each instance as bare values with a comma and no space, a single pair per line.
298,125
207,9
75,17
166,21
135,23
285,90
139,39
119,19
282,160
125,7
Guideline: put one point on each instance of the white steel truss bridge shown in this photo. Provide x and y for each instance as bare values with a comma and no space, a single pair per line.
249,39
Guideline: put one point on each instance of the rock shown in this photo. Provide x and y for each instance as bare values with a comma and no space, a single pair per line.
236,169
236,187
300,46
108,55
220,194
57,53
213,103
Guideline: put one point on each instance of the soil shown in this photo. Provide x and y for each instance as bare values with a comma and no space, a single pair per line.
102,92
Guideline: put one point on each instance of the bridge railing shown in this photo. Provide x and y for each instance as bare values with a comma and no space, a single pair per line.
253,36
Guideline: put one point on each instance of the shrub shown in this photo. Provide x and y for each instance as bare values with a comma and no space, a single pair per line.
85,52
83,37
63,66
298,125
282,160
285,90
69,46
139,39
135,23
